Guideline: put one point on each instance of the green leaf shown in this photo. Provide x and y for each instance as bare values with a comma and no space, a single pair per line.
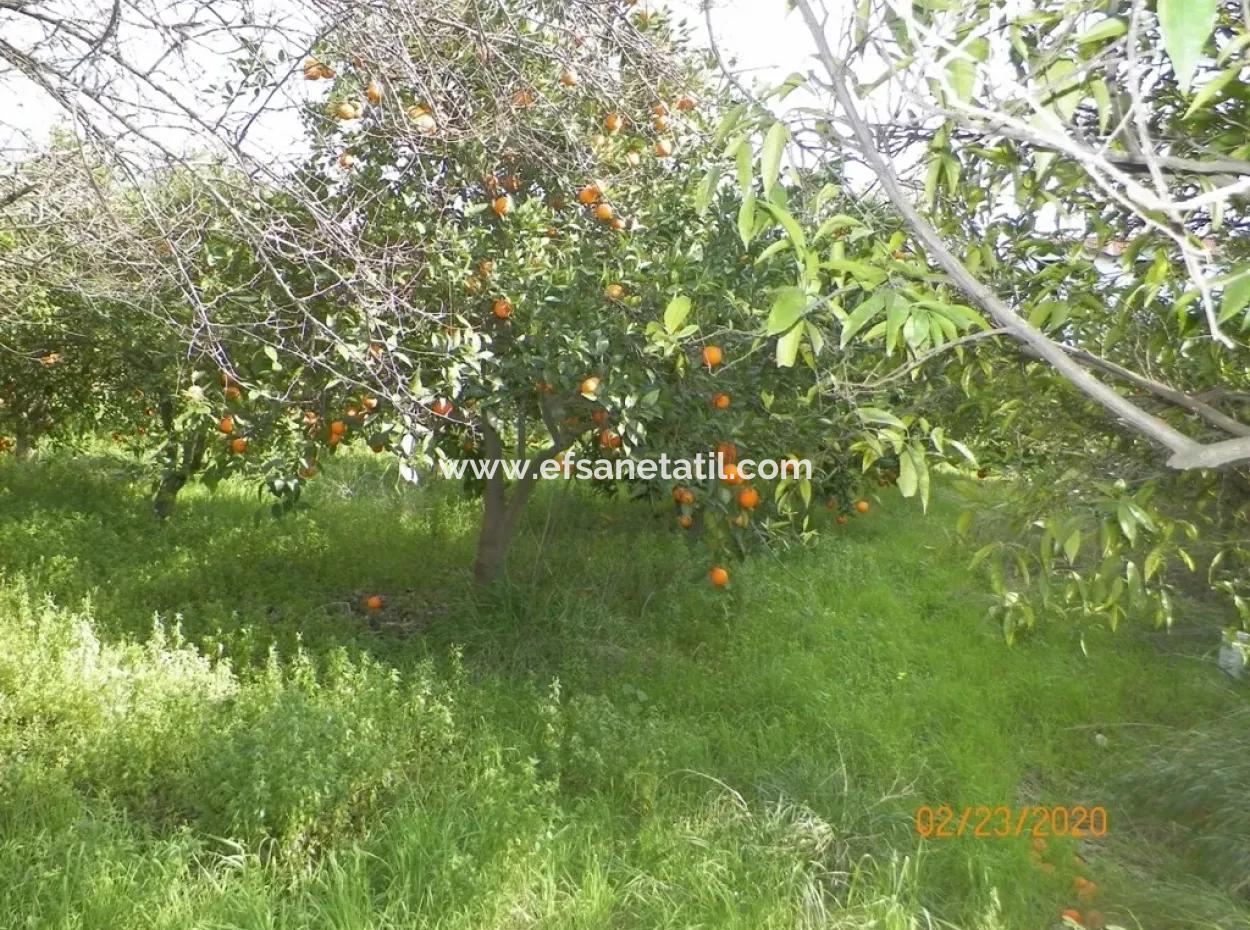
779,246
1186,25
703,194
1236,295
787,221
1072,545
861,315
1211,89
1107,29
962,75
788,347
815,337
676,312
787,307
770,157
1062,83
877,415
908,479
746,219
744,161
727,125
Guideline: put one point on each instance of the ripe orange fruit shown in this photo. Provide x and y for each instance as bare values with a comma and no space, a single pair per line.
522,99
677,493
718,576
663,148
687,497
1085,889
373,91
553,233
374,602
502,309
375,349
347,161
610,439
661,123
712,356
590,385
442,407
226,424
310,418
841,519
721,401
862,506
618,224
512,183
491,182
614,292
730,474
333,440
238,445
685,103
728,452
502,205
1072,915
599,417
660,109
352,410
422,119
338,428
345,110
614,122
568,77
748,498
588,195
233,393
685,521
604,212
369,403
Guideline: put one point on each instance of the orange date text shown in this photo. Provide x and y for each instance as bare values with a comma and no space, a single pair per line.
944,821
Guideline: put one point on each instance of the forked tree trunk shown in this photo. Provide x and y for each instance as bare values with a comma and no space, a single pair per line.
181,462
501,516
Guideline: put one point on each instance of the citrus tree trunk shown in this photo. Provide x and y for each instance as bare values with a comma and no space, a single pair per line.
501,515
182,460
23,447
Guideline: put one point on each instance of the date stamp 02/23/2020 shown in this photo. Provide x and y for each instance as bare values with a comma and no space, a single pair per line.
946,821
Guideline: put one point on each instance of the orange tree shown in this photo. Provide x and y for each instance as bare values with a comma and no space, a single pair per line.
80,346
518,234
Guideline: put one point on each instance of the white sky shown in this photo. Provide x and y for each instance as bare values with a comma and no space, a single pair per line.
765,42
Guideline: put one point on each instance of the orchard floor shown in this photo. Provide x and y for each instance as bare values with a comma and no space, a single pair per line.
200,729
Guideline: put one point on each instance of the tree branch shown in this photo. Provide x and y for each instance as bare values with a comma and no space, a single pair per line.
1186,453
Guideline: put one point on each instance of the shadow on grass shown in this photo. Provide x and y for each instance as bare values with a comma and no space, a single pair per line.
237,579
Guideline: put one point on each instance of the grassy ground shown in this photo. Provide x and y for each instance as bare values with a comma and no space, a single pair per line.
199,728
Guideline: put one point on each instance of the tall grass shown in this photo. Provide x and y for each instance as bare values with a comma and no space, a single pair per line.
199,726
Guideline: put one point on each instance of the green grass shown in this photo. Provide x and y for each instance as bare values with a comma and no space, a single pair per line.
199,728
